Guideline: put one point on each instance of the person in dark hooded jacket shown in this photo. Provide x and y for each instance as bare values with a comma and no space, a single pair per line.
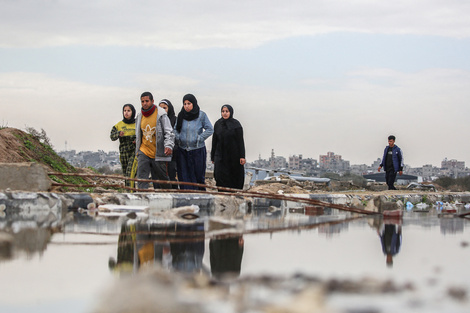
125,131
228,150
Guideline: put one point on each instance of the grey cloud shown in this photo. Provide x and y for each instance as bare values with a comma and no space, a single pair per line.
205,24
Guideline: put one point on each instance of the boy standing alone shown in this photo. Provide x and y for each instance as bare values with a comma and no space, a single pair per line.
392,160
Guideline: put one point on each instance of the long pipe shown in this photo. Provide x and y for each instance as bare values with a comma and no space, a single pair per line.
225,191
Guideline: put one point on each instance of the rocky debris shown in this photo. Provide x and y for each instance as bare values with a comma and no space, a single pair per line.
231,207
376,186
284,184
418,186
286,187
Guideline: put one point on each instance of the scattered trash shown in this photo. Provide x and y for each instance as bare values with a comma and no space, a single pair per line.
418,186
421,205
409,205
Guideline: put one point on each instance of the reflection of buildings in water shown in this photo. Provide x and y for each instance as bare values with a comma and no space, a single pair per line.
82,222
177,246
451,225
390,238
291,215
226,256
27,240
332,229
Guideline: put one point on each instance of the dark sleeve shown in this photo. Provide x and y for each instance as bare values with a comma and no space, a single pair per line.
240,141
400,159
383,158
214,145
114,134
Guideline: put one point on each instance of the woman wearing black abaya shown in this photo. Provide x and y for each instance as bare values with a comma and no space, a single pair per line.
228,150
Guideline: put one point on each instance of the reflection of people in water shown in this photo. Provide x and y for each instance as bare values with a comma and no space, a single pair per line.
174,246
125,253
390,237
187,256
226,256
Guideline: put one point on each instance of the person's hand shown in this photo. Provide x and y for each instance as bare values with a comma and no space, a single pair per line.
400,173
168,151
121,133
242,161
379,168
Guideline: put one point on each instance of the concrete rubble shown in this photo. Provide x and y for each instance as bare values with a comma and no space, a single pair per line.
12,202
24,176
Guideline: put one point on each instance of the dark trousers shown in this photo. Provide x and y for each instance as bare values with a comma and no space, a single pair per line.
147,166
172,173
192,167
390,177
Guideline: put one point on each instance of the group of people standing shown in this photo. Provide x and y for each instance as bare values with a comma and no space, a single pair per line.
167,147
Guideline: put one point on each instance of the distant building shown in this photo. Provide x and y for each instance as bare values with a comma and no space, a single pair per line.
277,162
453,168
359,169
294,162
452,164
304,166
333,162
92,159
429,172
308,165
260,163
376,163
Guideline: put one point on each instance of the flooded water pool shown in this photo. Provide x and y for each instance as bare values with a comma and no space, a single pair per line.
425,270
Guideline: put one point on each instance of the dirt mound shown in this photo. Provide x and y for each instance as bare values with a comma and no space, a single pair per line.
17,146
12,146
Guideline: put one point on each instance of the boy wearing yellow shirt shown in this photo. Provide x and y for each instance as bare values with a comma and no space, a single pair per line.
154,142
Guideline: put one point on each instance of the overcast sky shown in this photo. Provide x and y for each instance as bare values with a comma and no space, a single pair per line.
304,77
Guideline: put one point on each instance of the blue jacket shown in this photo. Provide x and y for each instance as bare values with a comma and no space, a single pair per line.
194,133
397,158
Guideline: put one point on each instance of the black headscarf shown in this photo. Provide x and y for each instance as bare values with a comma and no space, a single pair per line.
228,148
229,123
189,116
171,111
132,119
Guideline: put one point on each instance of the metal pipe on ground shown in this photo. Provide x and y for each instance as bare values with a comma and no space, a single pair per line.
221,191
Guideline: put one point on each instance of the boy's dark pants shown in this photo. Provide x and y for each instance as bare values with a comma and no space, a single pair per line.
390,177
157,169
